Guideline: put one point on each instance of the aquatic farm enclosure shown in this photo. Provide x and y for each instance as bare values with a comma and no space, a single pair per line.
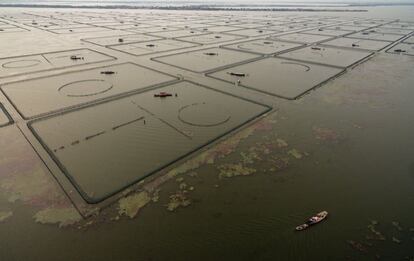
205,135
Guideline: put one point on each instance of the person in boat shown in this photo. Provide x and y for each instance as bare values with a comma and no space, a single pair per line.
312,220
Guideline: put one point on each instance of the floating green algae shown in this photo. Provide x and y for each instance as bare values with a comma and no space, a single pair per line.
295,153
326,134
250,157
183,186
33,186
193,174
156,195
281,143
233,170
4,215
61,216
177,200
209,156
279,163
131,205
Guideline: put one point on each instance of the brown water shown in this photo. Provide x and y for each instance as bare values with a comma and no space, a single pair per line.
346,147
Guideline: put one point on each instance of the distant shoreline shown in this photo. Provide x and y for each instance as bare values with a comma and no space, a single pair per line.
190,7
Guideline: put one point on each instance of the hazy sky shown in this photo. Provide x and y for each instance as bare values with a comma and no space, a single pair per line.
250,1
222,1
261,1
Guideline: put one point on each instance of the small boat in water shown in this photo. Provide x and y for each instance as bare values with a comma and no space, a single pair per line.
313,220
163,94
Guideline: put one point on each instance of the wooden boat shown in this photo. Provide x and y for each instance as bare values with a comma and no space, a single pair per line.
163,94
313,220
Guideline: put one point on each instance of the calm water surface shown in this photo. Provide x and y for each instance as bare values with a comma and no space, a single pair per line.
349,150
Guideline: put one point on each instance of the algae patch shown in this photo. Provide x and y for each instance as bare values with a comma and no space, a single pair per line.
281,143
295,153
62,216
233,170
4,215
177,200
131,205
325,134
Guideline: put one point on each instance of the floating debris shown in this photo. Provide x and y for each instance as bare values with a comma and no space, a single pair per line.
131,205
233,170
211,54
180,179
295,153
4,215
61,216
